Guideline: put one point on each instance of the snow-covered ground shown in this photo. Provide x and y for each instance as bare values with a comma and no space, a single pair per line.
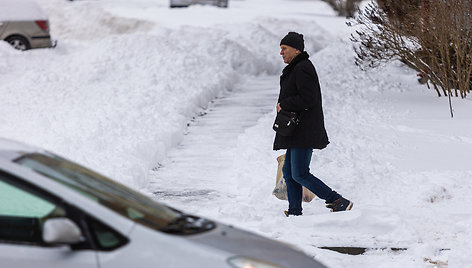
179,104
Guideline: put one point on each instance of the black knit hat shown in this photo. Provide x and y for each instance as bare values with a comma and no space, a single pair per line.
294,40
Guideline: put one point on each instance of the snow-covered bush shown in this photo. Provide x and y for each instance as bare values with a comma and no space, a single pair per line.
345,8
433,37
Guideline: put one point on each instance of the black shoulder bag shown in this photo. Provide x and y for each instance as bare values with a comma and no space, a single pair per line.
286,122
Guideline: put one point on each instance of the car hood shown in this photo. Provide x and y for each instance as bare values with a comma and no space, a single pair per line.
246,244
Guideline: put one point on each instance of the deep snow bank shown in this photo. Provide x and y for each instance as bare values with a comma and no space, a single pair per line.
117,103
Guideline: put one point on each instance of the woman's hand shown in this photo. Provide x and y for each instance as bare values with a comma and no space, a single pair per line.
278,107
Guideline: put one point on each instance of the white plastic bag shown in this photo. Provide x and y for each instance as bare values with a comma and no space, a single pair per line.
280,190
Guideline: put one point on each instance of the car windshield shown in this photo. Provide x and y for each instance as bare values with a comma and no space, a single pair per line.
115,196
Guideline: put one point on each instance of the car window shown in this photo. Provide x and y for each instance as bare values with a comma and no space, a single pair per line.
16,202
102,190
106,238
22,214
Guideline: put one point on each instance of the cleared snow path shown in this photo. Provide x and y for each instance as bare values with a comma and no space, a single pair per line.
197,169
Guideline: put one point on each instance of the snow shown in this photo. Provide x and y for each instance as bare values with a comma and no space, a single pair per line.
179,103
12,145
21,10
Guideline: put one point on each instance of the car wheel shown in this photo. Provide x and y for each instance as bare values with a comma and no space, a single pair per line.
18,42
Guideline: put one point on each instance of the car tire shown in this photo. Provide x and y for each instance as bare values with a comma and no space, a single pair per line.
18,42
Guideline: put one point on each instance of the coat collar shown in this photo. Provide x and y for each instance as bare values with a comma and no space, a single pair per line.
300,57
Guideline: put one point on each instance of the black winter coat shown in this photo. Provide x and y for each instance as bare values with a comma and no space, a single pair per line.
300,92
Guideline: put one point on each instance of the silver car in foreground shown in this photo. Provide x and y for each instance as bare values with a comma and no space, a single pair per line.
55,213
24,25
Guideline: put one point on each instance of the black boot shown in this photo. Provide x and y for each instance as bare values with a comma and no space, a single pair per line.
287,214
340,204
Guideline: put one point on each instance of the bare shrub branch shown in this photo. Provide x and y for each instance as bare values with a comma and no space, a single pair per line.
432,36
345,8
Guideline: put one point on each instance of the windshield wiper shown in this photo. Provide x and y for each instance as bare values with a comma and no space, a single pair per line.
188,224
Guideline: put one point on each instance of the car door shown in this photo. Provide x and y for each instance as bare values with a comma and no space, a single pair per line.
23,211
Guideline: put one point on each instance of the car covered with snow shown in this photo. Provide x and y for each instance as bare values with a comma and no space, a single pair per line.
24,25
55,213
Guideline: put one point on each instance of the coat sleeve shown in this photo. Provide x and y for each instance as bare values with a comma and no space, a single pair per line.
308,89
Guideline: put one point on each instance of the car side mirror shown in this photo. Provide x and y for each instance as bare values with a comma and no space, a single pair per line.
61,231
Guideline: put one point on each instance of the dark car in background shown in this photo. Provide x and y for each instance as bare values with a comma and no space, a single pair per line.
24,25
186,3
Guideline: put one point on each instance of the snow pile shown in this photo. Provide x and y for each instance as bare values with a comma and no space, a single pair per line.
119,103
21,10
88,21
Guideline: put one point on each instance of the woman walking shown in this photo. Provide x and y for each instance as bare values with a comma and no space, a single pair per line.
300,93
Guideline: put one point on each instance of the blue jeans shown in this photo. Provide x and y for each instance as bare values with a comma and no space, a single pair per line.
296,171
